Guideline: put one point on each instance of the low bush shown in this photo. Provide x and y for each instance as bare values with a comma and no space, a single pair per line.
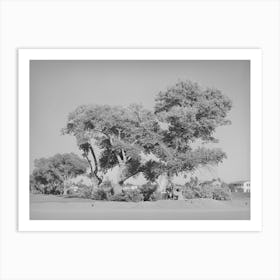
99,194
156,195
118,197
206,190
37,188
79,190
104,192
51,188
85,191
135,195
188,193
128,196
149,191
222,193
199,191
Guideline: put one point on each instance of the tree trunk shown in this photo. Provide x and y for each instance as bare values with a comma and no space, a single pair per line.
65,185
64,190
121,175
96,181
163,181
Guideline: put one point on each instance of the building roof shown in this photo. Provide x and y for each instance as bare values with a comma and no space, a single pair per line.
240,182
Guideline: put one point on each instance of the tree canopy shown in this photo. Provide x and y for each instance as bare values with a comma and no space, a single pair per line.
190,114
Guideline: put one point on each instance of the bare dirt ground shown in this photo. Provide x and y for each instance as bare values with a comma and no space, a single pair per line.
48,207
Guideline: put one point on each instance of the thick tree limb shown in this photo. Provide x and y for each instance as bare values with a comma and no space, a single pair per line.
129,176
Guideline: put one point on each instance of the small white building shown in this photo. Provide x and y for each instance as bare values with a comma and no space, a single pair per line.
240,186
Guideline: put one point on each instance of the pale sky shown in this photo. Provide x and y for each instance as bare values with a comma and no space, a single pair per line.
58,87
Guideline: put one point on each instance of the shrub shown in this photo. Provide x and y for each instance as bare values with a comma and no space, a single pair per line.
118,197
222,193
78,190
104,191
148,190
52,188
199,191
37,188
85,191
156,196
128,196
135,195
206,189
100,194
188,193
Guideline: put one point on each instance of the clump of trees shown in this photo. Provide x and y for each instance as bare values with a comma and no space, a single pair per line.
158,142
50,175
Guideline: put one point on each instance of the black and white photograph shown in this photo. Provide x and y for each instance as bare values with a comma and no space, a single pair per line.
140,140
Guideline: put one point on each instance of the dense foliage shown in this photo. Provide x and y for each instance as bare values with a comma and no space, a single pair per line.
193,189
190,114
125,136
50,174
215,189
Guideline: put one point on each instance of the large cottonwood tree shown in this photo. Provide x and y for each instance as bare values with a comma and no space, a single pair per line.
112,136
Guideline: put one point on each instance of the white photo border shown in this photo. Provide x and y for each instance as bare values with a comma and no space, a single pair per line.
255,57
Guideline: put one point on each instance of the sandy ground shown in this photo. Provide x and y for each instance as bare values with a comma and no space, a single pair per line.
48,207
